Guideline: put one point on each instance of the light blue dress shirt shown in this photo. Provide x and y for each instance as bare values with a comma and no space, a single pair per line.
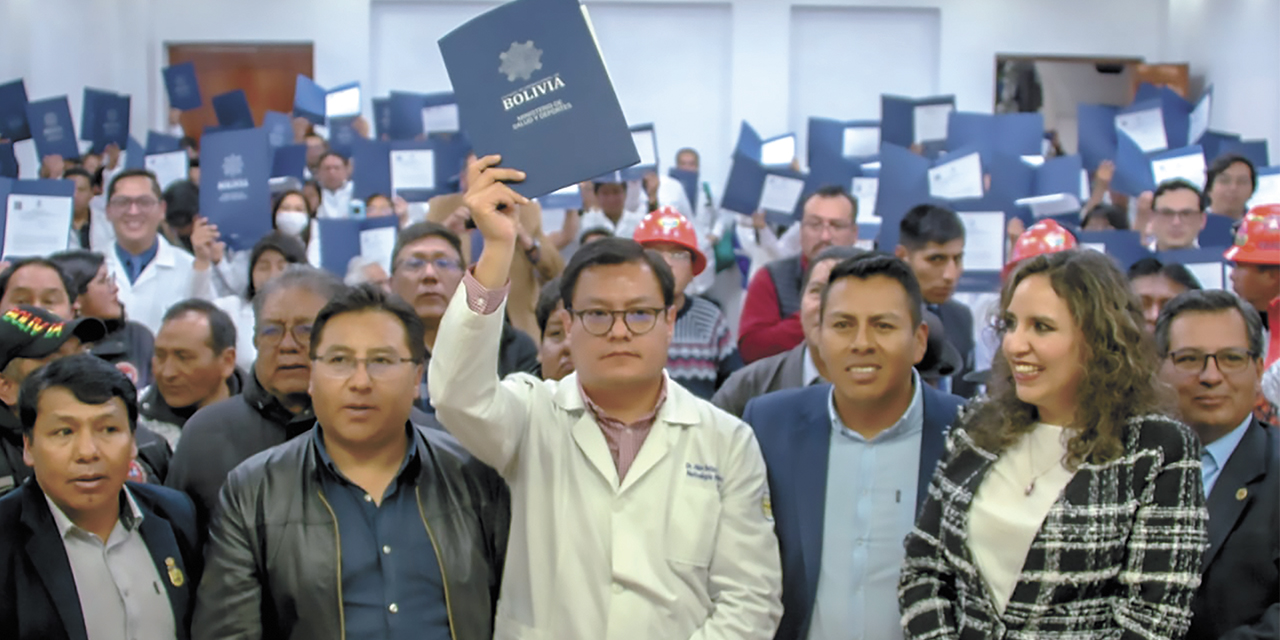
870,509
1216,453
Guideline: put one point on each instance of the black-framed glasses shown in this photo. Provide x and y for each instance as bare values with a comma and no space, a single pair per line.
442,265
343,366
272,333
1194,361
599,322
1185,214
125,203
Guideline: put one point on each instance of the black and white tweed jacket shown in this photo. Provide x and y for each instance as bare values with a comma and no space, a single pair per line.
1117,557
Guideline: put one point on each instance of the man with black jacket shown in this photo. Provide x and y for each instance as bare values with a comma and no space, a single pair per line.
274,405
31,337
396,524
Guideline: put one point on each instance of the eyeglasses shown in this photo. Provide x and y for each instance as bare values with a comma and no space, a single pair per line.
1185,214
343,366
273,333
1194,361
123,203
599,322
417,265
817,225
675,255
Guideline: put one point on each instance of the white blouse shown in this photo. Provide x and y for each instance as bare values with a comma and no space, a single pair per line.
1011,505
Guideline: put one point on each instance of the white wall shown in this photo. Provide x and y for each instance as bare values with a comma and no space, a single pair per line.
695,68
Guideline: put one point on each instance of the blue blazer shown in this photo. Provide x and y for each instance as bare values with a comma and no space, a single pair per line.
794,431
38,597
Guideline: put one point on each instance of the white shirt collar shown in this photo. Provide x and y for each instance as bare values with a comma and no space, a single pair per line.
811,375
131,520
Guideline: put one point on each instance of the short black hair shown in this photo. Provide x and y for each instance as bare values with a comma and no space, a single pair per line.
611,251
182,203
604,232
689,150
595,185
548,298
370,297
1115,216
222,330
839,253
79,265
1210,301
67,283
1224,162
330,152
1150,266
89,378
284,244
420,230
834,191
925,223
187,142
78,171
879,264
135,173
297,276
1177,184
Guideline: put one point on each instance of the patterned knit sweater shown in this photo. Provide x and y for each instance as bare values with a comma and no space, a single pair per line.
702,353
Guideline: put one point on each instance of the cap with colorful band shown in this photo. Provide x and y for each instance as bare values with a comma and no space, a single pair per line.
31,332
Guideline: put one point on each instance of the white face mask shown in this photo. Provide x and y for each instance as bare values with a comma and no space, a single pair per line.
292,222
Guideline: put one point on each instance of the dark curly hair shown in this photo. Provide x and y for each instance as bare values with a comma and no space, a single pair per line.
1120,361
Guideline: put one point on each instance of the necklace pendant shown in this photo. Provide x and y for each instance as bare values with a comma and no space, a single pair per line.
1031,487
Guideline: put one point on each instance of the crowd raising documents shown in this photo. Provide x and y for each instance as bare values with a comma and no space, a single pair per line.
482,364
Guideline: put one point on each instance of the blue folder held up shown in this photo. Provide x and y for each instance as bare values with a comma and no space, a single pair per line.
13,111
232,109
235,194
181,85
531,86
52,128
8,161
158,143
343,239
279,127
907,121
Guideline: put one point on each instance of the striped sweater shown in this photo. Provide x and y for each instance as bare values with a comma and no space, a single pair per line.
702,353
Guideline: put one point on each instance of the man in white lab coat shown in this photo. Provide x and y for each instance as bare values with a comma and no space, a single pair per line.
151,273
638,510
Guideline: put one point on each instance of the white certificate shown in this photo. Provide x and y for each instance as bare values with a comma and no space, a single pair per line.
36,225
1268,191
340,104
781,194
1033,161
861,141
1100,247
931,122
1208,273
778,151
958,179
643,139
377,244
984,240
1085,188
864,190
440,119
168,167
1050,205
1189,167
413,169
1146,127
1198,122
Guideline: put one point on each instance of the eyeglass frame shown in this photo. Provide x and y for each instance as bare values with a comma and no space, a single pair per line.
614,314
290,329
814,224
124,204
327,368
453,266
1179,214
1204,360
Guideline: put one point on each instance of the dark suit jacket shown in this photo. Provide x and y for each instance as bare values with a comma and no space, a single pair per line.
1239,596
38,597
779,371
957,321
794,431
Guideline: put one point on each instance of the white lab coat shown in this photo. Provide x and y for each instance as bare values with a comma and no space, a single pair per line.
169,278
241,313
684,548
336,204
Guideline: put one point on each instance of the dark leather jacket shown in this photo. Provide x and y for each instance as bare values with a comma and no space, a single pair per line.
272,566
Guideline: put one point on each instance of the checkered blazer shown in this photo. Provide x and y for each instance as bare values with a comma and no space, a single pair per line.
1118,555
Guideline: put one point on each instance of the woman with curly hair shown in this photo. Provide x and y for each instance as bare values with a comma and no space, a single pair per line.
1068,505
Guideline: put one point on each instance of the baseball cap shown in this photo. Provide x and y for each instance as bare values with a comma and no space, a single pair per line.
31,332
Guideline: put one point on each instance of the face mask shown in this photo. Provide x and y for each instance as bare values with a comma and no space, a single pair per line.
292,222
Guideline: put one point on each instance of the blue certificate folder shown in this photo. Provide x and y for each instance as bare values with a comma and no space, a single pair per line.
52,129
8,161
340,240
531,85
13,111
232,109
235,170
104,118
180,83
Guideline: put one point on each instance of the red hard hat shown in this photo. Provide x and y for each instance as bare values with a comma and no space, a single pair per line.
668,225
1258,240
1046,236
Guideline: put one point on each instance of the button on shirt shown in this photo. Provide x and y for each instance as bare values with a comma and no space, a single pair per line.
135,264
392,587
1216,453
870,509
121,593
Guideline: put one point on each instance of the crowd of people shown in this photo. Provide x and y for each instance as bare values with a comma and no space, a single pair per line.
656,420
